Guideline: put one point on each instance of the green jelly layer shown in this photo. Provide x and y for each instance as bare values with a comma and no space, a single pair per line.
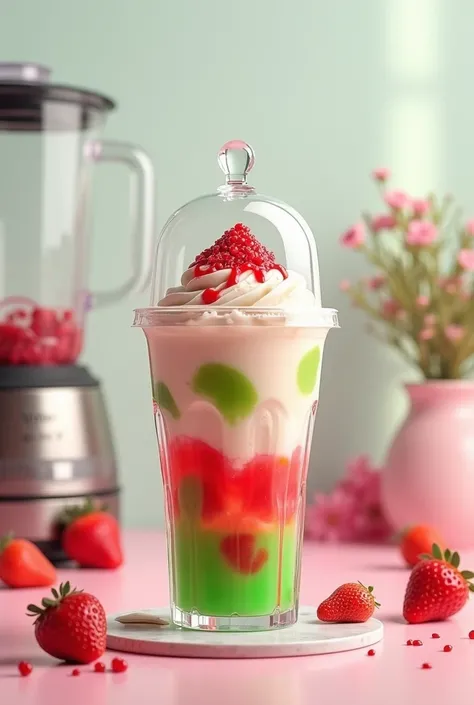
205,582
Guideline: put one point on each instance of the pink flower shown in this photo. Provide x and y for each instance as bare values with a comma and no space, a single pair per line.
390,308
397,200
345,285
330,517
422,301
383,221
454,332
421,233
427,333
470,227
450,284
420,206
376,282
354,237
381,174
429,319
466,259
353,511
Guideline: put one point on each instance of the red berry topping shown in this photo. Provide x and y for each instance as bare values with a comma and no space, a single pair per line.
99,667
25,668
417,642
76,672
427,666
410,642
447,648
371,652
435,636
119,665
471,634
236,248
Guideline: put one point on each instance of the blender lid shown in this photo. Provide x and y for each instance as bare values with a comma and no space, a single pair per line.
25,89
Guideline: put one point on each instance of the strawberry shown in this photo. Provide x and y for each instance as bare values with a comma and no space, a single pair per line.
351,602
417,540
92,537
72,626
436,589
23,565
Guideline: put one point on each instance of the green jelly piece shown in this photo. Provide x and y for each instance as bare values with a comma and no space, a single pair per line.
228,389
165,399
308,370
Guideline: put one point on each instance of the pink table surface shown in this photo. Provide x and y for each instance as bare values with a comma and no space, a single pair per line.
392,676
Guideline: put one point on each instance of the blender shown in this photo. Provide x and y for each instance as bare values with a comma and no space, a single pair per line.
56,446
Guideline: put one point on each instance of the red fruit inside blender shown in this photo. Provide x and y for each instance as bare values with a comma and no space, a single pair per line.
35,335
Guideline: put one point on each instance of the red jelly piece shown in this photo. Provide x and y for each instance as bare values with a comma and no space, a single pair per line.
99,667
447,648
435,636
240,551
209,296
426,666
371,652
25,668
119,665
410,642
471,634
76,672
191,459
417,642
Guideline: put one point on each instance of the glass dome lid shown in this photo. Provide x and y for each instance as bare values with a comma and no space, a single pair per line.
236,248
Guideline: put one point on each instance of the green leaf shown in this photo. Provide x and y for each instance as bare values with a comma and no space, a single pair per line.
437,552
468,574
55,593
455,559
308,367
46,602
231,392
471,587
165,400
447,555
34,609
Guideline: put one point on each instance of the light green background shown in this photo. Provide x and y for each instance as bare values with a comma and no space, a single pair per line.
324,90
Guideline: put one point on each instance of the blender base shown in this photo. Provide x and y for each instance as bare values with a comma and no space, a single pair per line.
56,450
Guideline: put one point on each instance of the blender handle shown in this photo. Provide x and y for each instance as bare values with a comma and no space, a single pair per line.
142,188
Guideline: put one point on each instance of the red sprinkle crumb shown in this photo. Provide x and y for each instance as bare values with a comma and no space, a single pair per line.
410,642
447,648
371,652
25,668
426,666
76,672
471,634
435,636
99,667
417,642
119,665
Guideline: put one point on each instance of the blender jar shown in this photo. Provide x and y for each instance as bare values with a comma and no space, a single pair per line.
49,143
235,336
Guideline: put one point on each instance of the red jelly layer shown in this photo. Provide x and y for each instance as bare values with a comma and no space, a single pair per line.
203,481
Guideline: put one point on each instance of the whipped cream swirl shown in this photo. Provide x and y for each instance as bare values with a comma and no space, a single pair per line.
274,291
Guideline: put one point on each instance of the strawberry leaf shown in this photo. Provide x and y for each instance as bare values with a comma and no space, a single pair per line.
471,587
447,555
455,560
437,552
468,574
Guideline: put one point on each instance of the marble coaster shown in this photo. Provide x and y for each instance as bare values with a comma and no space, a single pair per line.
305,638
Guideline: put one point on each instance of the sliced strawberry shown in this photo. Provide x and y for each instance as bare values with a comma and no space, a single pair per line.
241,553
